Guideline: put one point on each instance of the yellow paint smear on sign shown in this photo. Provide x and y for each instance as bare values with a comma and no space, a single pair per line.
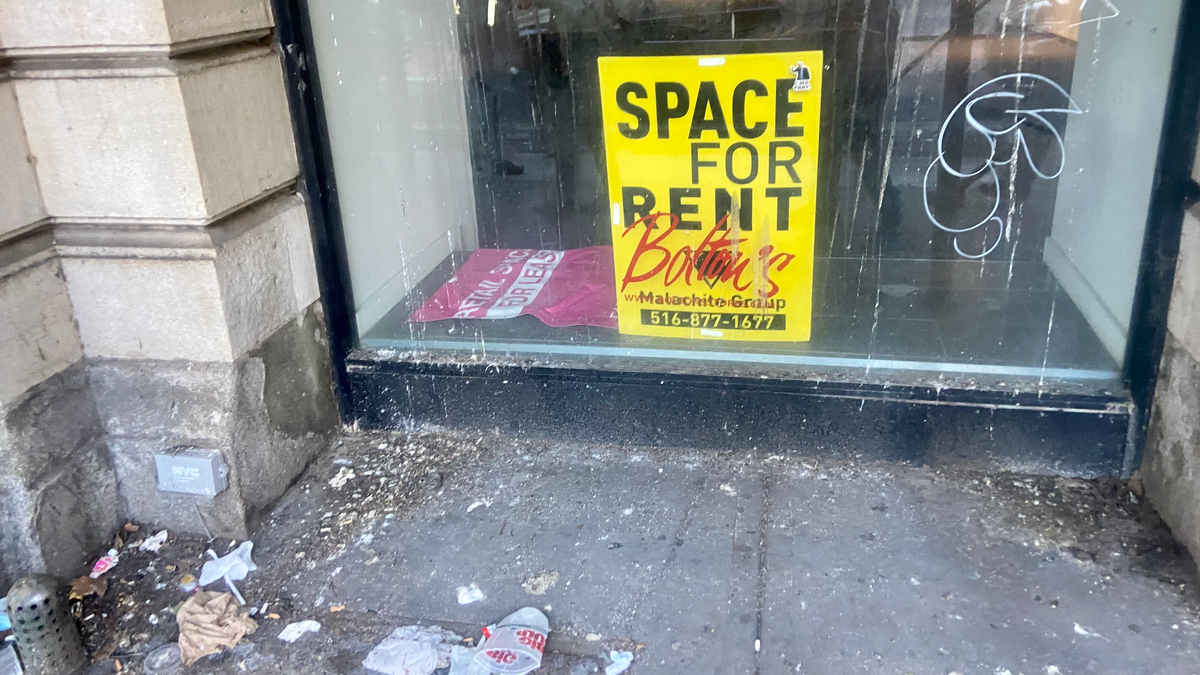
712,179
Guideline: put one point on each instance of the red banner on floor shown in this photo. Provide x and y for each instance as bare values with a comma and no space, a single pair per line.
561,288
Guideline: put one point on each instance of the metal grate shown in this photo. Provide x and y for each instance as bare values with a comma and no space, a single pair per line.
46,634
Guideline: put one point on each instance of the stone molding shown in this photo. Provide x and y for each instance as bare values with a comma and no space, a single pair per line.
30,58
26,247
217,290
130,63
167,239
156,238
48,26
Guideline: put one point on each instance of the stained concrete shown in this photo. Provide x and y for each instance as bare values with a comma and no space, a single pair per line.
268,414
699,562
1172,465
58,496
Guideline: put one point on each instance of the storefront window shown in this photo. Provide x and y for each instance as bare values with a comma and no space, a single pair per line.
946,186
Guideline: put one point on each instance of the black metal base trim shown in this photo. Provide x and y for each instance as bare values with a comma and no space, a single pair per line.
1082,436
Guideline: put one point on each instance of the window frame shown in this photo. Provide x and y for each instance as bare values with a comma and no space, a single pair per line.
1173,190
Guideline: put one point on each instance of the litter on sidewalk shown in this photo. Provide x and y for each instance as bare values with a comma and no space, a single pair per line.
412,650
210,623
233,566
153,544
9,665
620,662
469,594
4,622
105,564
512,647
188,583
88,585
293,631
166,660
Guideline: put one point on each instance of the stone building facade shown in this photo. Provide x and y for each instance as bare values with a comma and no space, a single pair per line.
157,282
1172,466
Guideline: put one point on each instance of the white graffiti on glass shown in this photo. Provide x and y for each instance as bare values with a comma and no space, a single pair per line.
1111,8
1019,13
1023,116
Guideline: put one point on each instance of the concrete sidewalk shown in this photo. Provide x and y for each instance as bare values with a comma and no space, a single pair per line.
709,563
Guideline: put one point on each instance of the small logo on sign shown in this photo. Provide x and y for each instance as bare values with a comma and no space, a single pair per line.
803,77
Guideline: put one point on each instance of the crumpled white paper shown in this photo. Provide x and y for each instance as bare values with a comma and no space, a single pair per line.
620,662
153,544
469,594
233,566
293,631
412,650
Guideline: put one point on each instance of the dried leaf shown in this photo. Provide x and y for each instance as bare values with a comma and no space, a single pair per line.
337,608
85,586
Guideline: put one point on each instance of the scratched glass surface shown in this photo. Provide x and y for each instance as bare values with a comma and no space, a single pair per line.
984,177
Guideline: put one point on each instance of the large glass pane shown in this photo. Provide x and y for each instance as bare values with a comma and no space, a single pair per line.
945,186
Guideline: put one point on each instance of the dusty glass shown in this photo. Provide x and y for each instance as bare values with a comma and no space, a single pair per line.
981,186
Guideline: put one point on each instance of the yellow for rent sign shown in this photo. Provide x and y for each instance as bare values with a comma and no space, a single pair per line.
712,180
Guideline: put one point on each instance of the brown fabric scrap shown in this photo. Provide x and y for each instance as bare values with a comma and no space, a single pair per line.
210,623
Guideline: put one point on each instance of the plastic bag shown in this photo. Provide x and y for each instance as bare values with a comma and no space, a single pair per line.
412,650
233,566
514,646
